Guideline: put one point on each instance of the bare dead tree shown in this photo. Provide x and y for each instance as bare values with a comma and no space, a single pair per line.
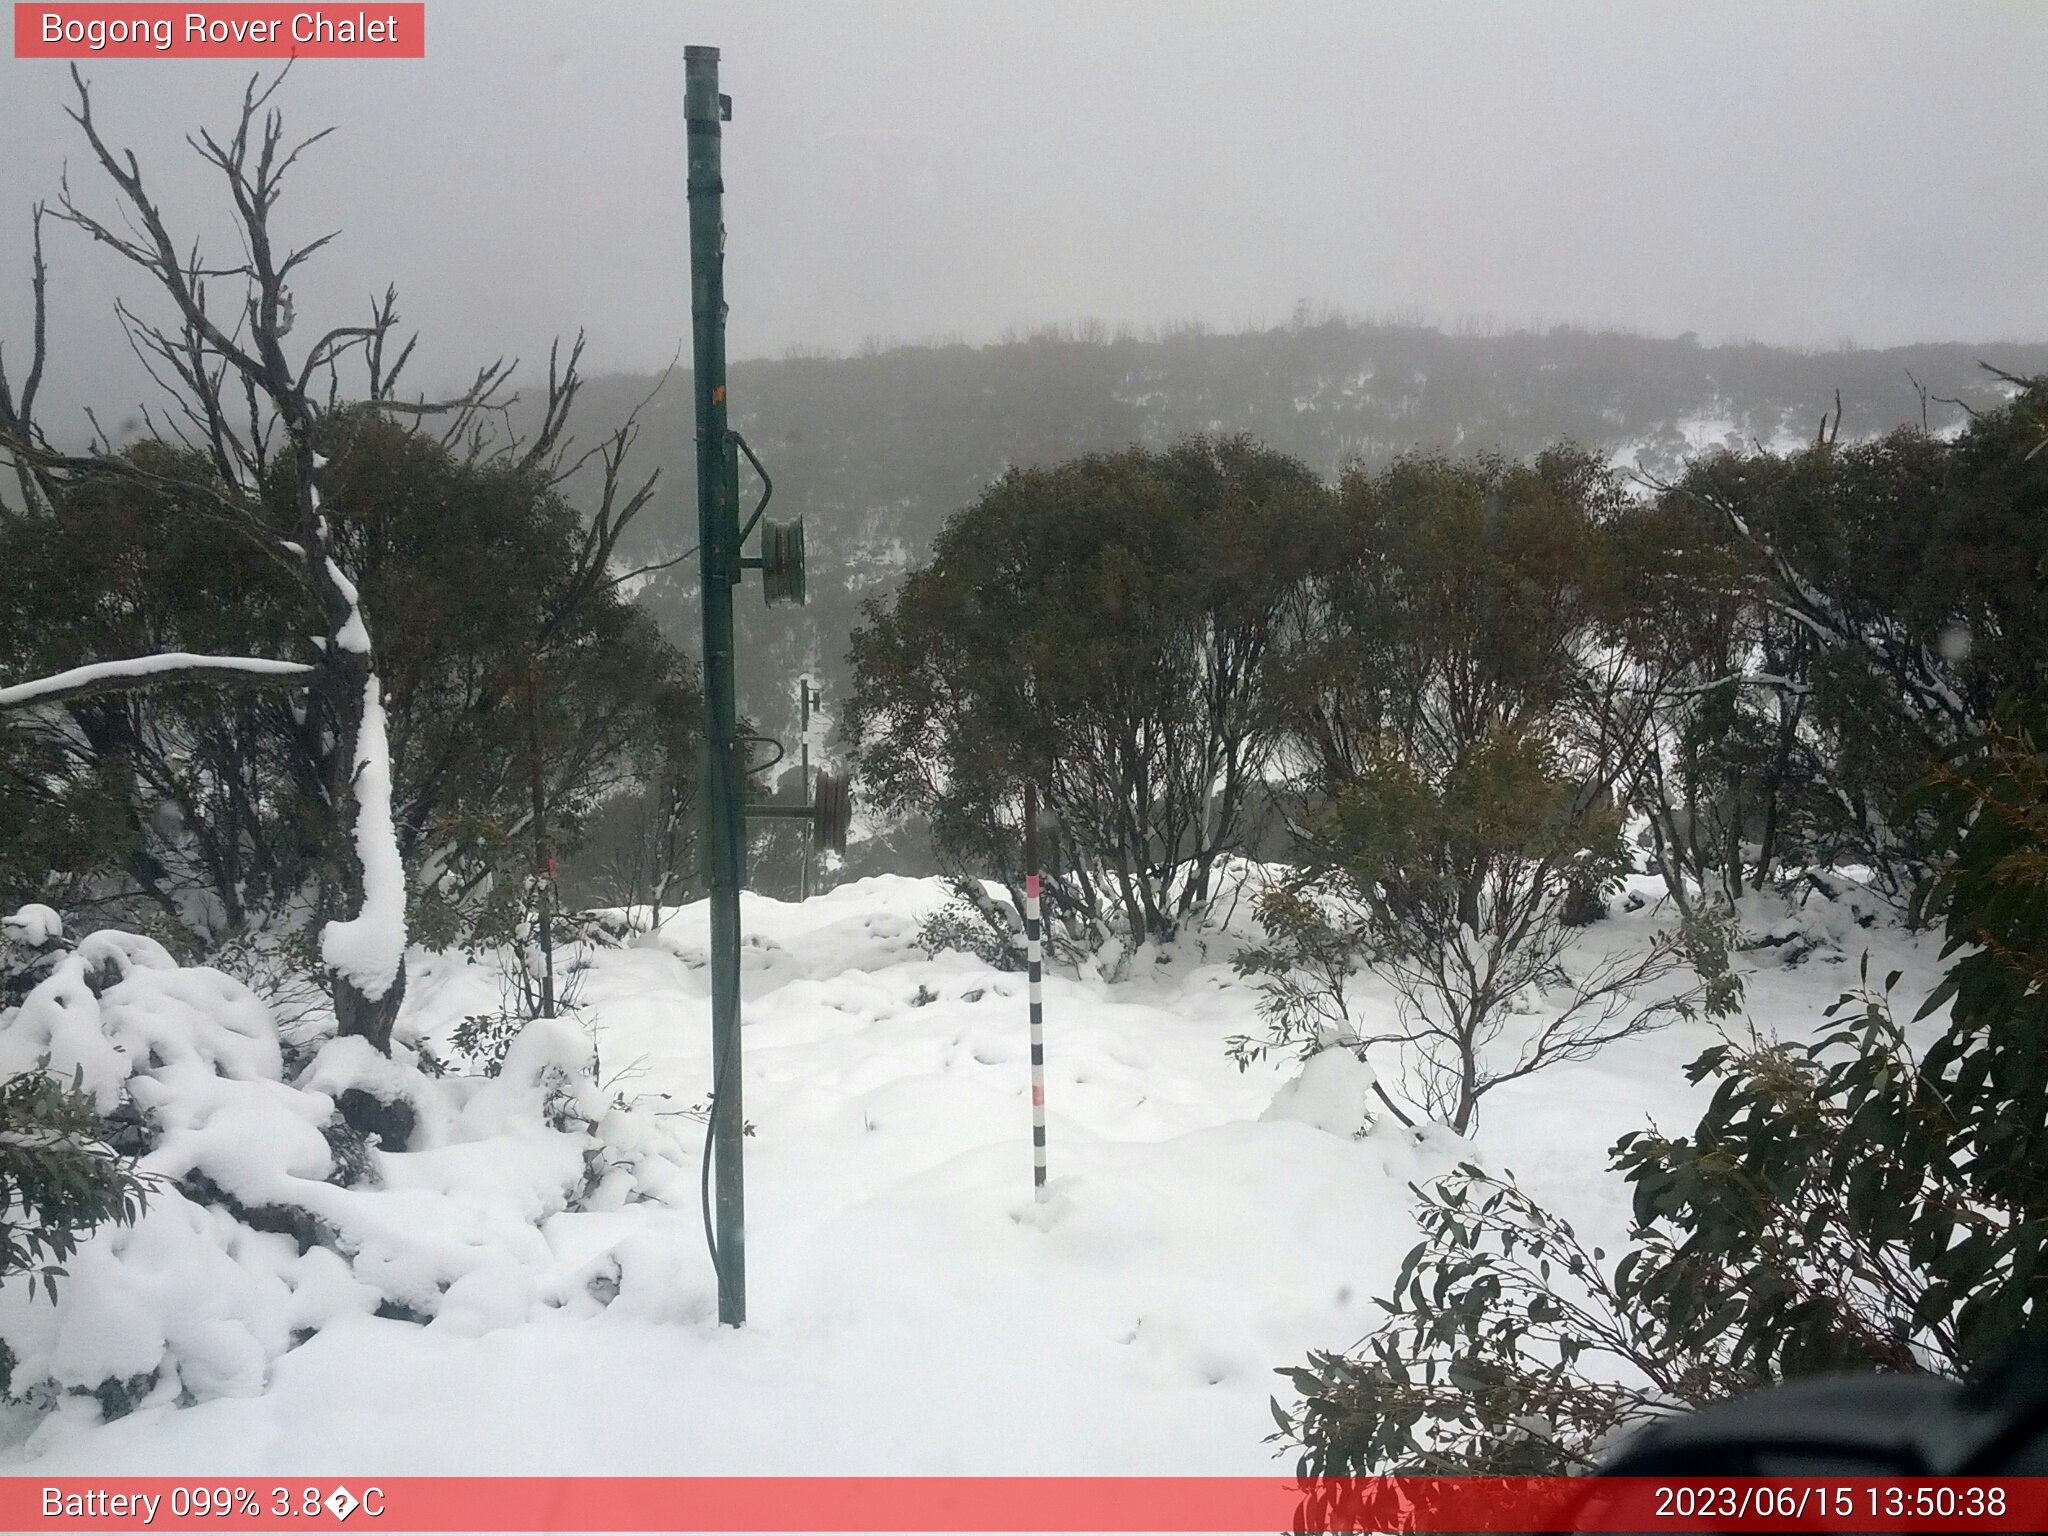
239,399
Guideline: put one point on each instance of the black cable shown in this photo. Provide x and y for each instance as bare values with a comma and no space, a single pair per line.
721,1066
781,752
704,1186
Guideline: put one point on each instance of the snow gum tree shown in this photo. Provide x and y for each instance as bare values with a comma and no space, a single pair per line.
246,405
1713,765
1456,749
504,645
1822,626
1103,627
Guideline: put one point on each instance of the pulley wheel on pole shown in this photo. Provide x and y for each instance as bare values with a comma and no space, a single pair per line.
834,810
782,561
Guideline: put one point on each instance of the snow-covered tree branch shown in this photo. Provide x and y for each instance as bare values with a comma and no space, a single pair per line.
103,677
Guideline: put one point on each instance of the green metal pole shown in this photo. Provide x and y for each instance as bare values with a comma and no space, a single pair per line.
718,567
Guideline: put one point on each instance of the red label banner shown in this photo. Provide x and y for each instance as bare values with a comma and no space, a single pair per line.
1053,1504
113,31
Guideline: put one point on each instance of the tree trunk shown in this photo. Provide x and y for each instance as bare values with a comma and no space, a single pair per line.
369,1017
342,685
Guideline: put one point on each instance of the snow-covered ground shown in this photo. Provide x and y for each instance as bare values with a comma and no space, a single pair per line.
911,1309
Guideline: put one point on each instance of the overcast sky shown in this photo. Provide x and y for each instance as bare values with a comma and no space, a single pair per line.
1806,173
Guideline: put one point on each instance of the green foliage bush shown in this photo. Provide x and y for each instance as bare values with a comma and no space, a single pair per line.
1843,1203
1840,618
959,925
1102,627
207,806
1460,781
59,1181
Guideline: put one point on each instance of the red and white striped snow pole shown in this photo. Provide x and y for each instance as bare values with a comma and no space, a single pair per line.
1035,955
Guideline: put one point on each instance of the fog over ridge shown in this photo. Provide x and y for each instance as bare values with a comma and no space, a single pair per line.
906,171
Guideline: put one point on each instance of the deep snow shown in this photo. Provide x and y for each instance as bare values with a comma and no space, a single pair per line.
911,1309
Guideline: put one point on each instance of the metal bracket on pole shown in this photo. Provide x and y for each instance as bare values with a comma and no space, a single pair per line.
767,485
829,812
781,560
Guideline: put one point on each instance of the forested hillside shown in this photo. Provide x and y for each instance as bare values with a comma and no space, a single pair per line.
875,451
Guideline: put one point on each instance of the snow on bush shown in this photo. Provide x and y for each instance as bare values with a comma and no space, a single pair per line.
34,925
269,1218
369,948
1333,1093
